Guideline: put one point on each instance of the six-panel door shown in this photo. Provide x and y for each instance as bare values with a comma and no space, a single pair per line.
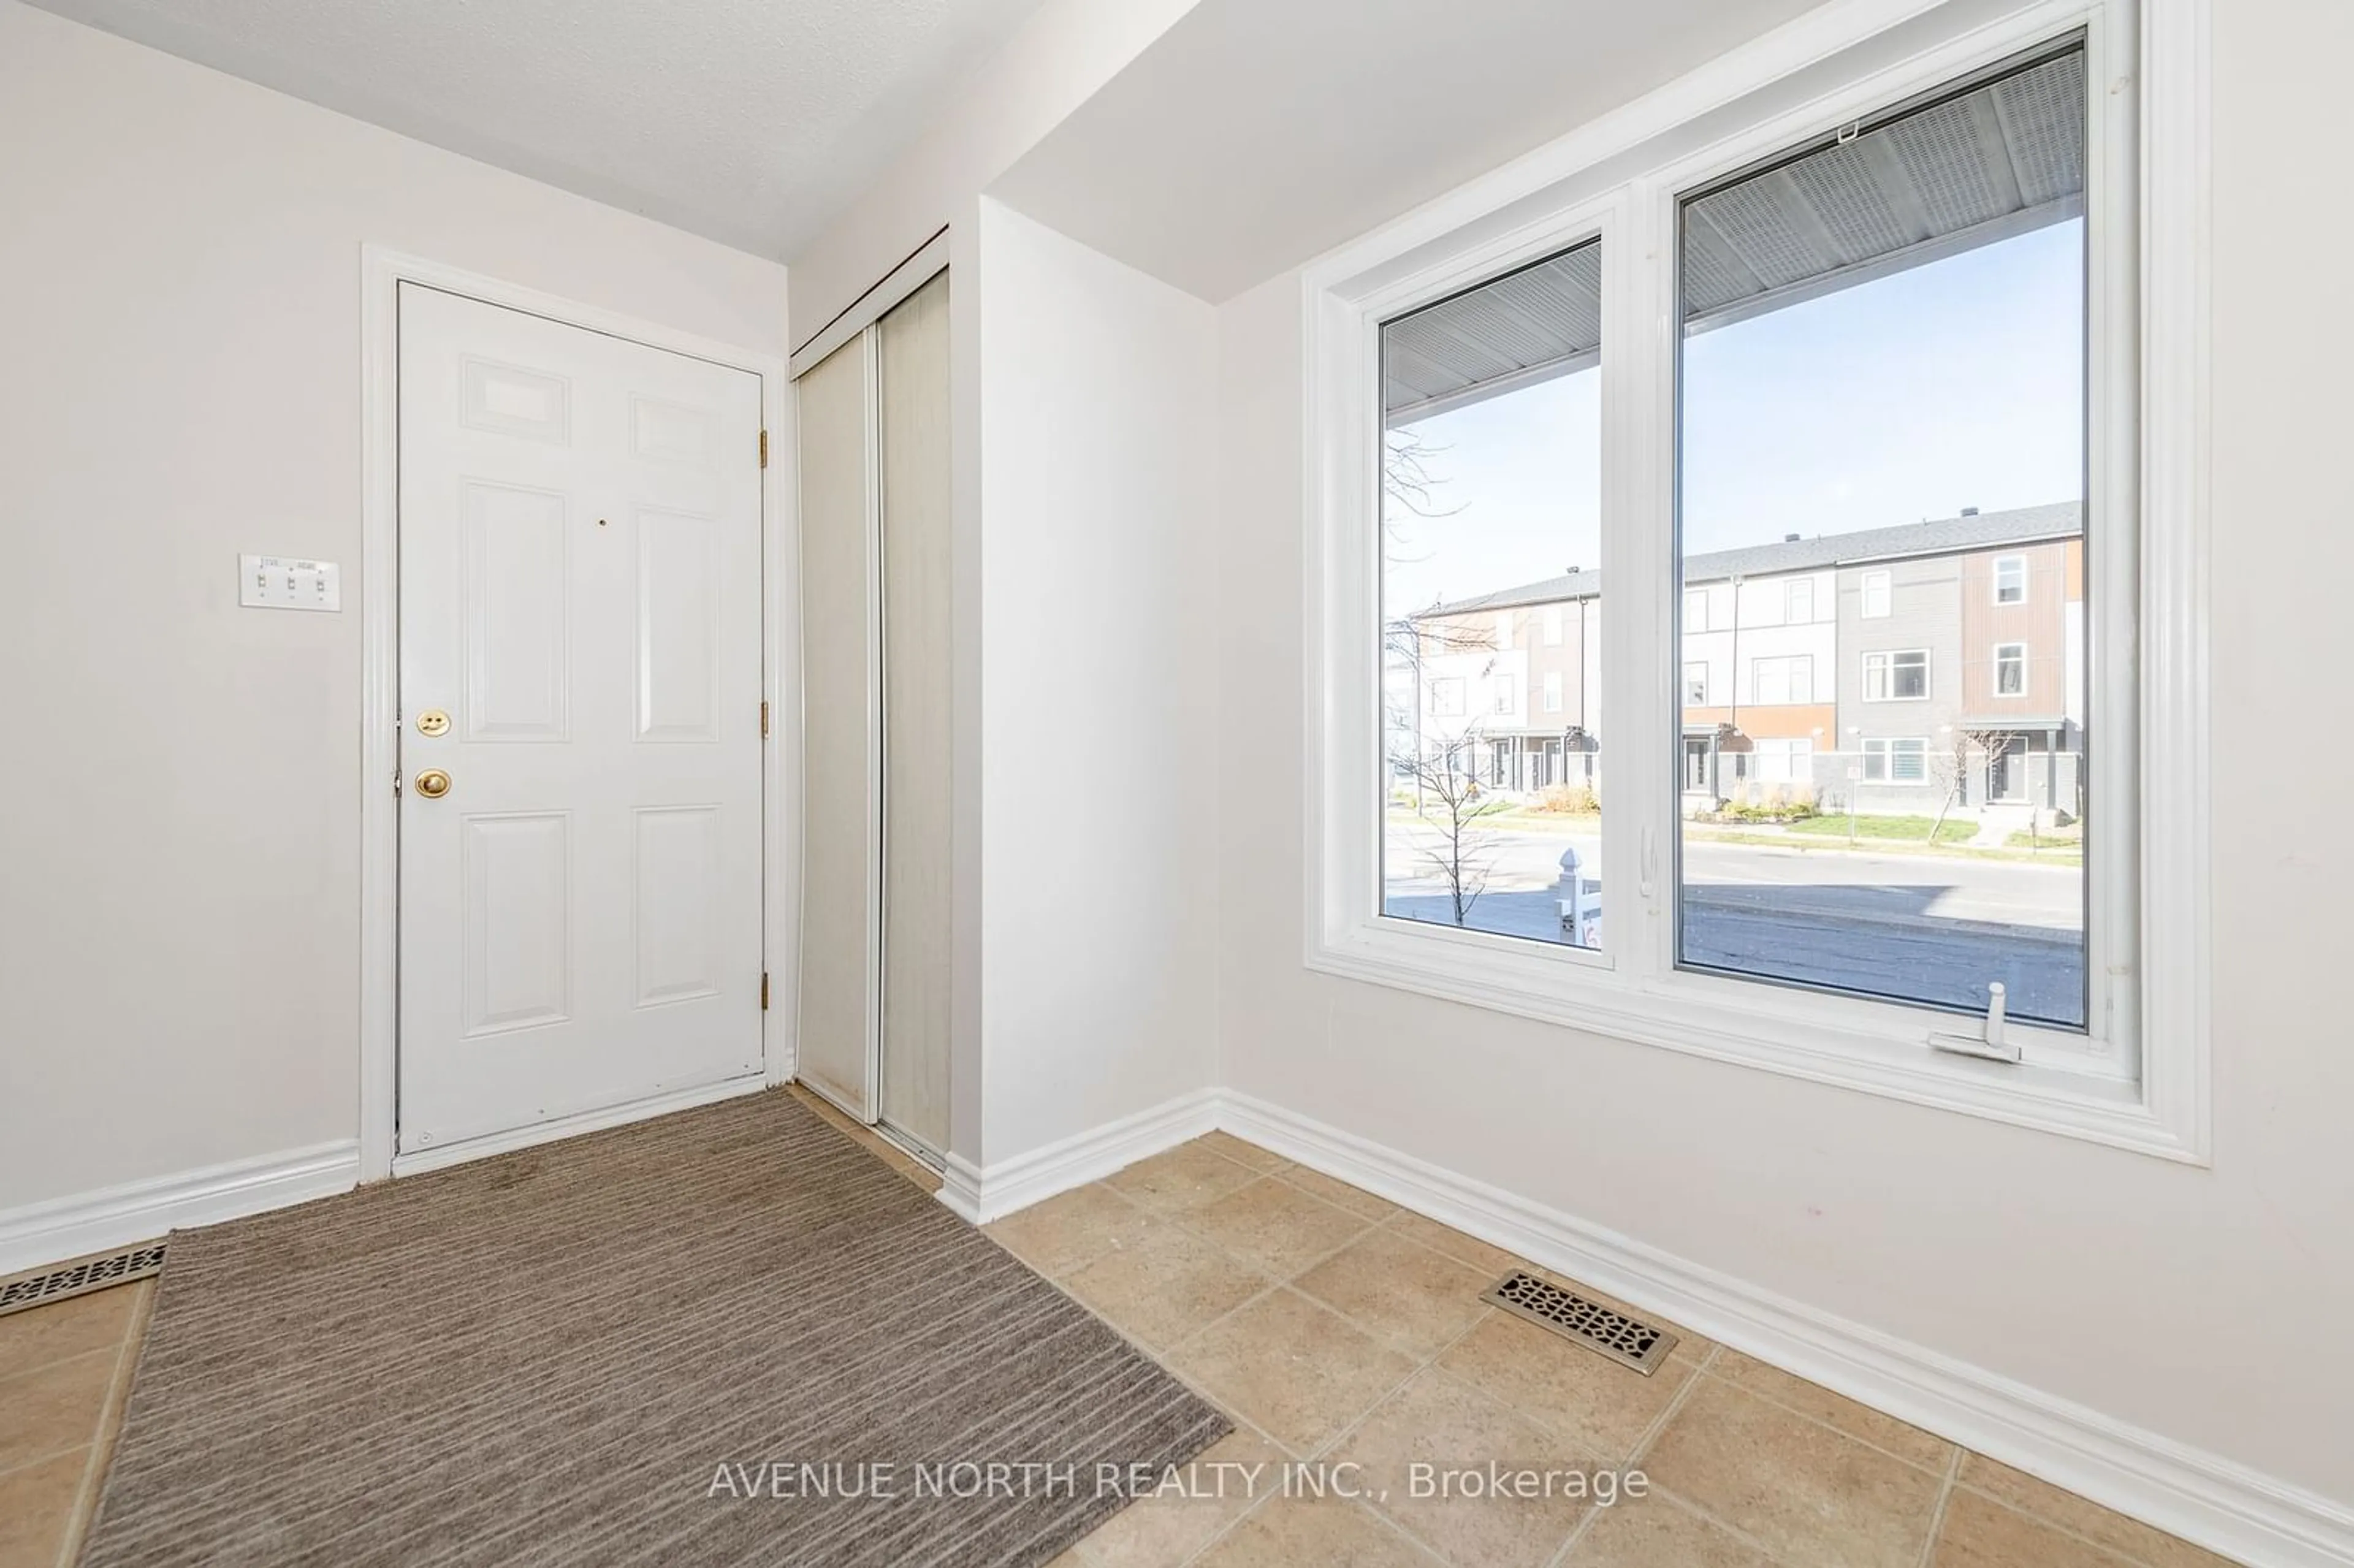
580,622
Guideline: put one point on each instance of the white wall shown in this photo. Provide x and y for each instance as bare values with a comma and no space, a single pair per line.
1099,674
2208,1305
180,381
1063,54
1052,65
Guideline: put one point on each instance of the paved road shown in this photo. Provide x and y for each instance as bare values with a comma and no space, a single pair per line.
1924,926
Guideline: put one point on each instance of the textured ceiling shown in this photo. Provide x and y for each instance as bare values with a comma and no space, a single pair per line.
751,122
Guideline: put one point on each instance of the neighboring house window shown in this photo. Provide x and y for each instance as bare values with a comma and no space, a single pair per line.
1553,626
1798,601
2010,670
1553,691
1504,684
1785,761
1447,696
1789,679
1504,631
1696,609
1902,760
1902,676
2010,580
1877,593
1696,684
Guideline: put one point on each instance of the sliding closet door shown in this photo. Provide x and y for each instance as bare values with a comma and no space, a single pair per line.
841,825
914,404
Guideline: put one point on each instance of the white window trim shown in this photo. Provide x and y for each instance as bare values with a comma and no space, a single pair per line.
1790,749
1690,701
1791,664
2148,1091
1863,674
1999,661
1888,744
2024,574
1887,580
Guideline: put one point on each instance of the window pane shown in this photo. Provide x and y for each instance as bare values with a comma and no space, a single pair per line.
1875,594
1881,514
1910,676
2010,670
1490,536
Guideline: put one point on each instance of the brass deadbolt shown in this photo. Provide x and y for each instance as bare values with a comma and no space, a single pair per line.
433,783
433,721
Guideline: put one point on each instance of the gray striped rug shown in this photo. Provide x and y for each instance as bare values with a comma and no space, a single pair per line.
602,1350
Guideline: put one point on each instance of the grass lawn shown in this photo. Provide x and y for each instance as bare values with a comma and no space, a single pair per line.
1505,814
2046,843
1889,829
1566,821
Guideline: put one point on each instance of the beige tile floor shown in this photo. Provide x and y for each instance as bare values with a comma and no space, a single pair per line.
1333,1326
64,1372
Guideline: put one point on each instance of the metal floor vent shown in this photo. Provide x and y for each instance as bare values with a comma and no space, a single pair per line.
40,1286
1604,1329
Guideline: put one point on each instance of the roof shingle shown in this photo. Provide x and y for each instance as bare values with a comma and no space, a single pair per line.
1935,536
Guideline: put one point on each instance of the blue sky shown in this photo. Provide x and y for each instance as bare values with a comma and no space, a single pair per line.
1957,384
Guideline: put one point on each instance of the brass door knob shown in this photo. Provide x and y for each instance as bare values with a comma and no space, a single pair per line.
433,783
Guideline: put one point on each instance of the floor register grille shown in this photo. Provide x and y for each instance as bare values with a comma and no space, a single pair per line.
55,1282
1605,1331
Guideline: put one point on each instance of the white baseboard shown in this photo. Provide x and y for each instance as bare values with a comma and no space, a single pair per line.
981,1194
960,1183
85,1223
111,1217
540,1132
2202,1497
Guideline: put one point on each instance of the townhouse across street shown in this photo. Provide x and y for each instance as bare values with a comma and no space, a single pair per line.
1874,670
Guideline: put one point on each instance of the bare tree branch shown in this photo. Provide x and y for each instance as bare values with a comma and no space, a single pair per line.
1451,800
1406,478
1952,768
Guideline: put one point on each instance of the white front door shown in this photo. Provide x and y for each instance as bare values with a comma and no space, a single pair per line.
580,665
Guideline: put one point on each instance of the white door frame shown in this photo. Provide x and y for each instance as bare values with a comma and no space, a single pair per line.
382,272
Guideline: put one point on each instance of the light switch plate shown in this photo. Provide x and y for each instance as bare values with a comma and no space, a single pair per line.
282,582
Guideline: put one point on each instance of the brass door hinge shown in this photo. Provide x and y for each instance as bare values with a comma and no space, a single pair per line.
764,720
764,448
764,991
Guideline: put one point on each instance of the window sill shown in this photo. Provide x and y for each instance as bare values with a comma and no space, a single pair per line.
1865,1046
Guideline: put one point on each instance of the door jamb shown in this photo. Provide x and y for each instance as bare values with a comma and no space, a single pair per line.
382,271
